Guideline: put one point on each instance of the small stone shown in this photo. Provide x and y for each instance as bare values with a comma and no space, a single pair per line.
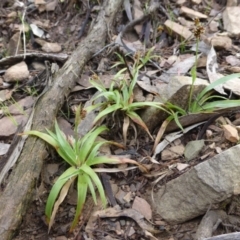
61,238
133,188
231,20
193,148
182,166
181,31
17,73
193,14
142,206
51,47
131,231
221,42
128,197
196,1
230,133
172,152
209,133
119,196
122,222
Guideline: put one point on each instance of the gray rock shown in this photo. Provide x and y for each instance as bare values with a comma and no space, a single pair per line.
191,194
193,148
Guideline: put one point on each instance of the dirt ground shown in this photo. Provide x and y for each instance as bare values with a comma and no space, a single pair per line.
66,24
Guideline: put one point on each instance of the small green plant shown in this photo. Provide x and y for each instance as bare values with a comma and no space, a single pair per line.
82,155
119,99
206,102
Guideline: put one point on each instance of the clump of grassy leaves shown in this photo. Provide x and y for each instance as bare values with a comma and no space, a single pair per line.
119,97
81,155
205,101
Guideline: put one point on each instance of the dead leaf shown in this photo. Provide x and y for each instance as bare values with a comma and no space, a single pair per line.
4,148
212,66
127,7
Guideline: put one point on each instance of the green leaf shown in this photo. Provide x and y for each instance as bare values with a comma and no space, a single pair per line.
91,187
221,104
101,160
97,182
72,171
64,144
106,111
82,186
216,83
49,139
88,141
94,151
98,86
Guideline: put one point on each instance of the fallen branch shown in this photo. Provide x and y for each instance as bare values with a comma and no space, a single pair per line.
17,195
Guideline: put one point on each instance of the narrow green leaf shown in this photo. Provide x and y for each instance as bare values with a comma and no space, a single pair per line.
82,193
87,143
97,182
94,151
49,139
102,160
72,171
91,187
221,104
64,144
106,111
216,83
98,86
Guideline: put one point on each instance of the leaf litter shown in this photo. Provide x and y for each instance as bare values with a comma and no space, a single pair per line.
142,33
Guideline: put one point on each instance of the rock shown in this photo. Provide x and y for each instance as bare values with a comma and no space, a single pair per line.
48,47
196,1
20,106
176,92
177,29
38,66
181,2
131,232
61,238
193,148
142,206
120,196
172,152
213,26
14,44
182,166
128,197
9,126
192,14
221,42
16,73
4,148
210,182
51,47
231,20
230,133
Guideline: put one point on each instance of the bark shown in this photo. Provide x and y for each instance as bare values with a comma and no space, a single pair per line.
17,194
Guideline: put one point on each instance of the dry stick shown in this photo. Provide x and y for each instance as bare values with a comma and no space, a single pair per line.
17,195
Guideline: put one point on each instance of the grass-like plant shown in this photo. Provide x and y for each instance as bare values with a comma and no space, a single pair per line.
119,99
206,102
82,155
